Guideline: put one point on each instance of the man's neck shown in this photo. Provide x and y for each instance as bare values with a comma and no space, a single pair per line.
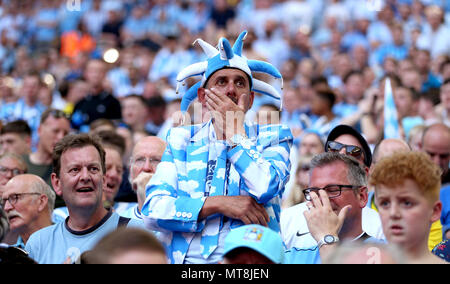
30,102
419,254
81,219
329,115
96,90
40,157
350,231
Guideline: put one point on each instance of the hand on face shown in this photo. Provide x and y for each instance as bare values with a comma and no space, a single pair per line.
321,218
227,111
228,97
141,181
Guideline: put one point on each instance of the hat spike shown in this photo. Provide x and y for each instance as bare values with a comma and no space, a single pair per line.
238,45
226,52
195,69
265,89
209,50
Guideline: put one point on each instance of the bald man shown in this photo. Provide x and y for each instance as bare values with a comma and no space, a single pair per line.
146,156
388,147
436,143
385,148
28,202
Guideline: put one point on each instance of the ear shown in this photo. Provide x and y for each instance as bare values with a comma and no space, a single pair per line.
363,197
419,144
201,96
251,99
366,169
249,102
43,201
56,184
437,209
28,141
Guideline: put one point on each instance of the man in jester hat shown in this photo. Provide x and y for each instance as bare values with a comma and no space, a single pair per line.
225,172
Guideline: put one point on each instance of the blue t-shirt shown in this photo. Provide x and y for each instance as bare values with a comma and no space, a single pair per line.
54,244
302,256
312,255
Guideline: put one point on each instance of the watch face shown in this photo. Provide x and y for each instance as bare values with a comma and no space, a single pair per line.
329,239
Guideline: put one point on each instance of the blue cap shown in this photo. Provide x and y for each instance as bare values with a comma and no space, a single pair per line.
261,239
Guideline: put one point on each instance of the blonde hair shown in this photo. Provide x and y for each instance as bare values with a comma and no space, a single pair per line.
417,166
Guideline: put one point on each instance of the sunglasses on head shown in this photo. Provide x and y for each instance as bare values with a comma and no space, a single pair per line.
333,146
59,114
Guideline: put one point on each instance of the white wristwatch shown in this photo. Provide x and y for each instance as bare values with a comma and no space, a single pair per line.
328,240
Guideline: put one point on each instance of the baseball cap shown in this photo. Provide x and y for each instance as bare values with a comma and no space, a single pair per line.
346,129
261,239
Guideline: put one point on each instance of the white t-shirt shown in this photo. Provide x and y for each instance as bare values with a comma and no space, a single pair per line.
295,232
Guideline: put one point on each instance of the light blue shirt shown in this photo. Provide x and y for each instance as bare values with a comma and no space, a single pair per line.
312,255
60,214
180,186
55,244
132,212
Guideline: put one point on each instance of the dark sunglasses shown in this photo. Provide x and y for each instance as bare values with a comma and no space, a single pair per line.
333,146
59,114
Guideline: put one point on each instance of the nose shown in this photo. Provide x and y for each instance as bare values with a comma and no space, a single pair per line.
85,175
9,174
148,167
394,212
7,206
60,135
230,88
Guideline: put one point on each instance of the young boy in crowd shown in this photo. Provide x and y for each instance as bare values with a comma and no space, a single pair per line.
407,188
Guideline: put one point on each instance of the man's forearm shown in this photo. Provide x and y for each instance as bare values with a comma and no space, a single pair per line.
210,207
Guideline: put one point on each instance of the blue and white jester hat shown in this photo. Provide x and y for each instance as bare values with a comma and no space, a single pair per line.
225,56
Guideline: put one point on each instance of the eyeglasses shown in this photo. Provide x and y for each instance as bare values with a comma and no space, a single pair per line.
140,161
4,171
13,198
333,190
333,146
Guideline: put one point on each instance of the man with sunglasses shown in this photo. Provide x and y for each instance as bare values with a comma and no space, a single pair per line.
336,196
345,139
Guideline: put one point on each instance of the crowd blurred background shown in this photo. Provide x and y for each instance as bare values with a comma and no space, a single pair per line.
333,54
